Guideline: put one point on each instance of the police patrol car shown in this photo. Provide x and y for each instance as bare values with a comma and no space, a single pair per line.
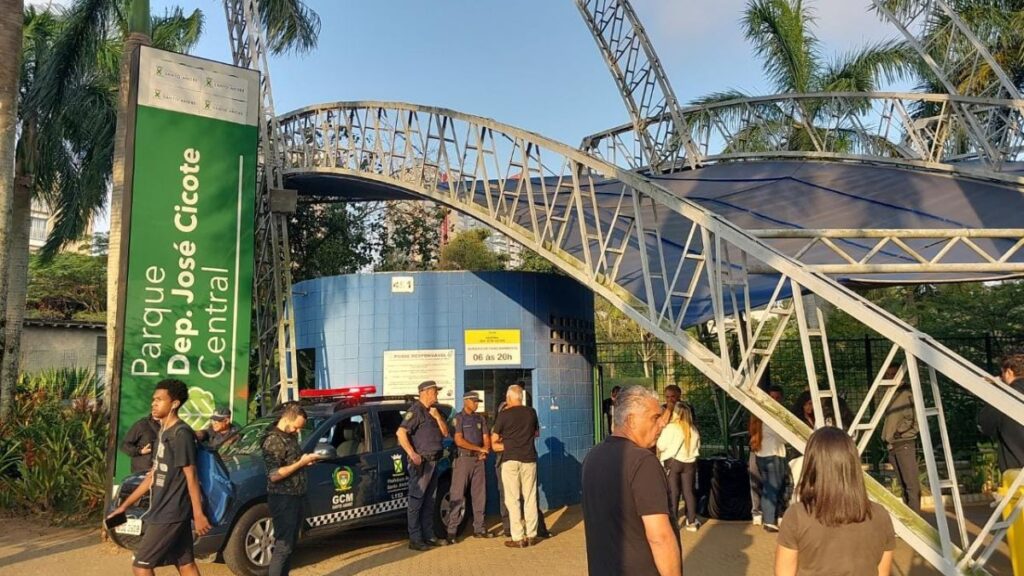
363,480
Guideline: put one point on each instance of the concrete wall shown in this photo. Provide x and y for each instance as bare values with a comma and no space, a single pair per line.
350,321
57,344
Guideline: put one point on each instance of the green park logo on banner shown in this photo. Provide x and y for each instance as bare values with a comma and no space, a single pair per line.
190,252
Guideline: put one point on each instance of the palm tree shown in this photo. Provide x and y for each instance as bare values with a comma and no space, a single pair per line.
92,51
782,34
63,152
10,45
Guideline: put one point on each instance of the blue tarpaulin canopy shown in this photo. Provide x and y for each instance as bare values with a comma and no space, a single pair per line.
771,195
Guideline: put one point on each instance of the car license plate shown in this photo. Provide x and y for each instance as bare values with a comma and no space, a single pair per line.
133,527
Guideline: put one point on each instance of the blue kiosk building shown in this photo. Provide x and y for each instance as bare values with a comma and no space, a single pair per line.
480,331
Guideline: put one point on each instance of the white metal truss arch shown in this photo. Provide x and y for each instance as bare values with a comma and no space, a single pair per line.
877,127
641,81
544,195
965,67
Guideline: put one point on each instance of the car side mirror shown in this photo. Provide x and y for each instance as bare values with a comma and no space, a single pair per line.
325,450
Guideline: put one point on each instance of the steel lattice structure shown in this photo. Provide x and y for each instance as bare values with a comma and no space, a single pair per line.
272,284
848,126
642,83
964,65
544,195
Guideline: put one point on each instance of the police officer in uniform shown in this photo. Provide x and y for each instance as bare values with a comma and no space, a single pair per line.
420,435
473,439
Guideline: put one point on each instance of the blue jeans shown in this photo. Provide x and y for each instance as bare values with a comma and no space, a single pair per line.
773,478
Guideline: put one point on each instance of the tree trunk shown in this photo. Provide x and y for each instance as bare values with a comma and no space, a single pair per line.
116,203
21,226
11,20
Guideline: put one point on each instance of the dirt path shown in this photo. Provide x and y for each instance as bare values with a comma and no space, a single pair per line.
718,549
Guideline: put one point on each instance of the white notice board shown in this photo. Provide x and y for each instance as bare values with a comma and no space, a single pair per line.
405,369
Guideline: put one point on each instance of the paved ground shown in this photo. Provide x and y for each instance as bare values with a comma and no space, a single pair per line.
718,549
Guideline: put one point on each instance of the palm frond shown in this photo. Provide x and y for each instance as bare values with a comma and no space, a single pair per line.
782,38
290,25
861,70
176,32
86,25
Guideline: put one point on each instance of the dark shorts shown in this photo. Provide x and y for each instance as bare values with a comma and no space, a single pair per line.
165,545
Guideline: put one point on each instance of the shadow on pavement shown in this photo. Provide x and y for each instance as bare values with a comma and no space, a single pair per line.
36,549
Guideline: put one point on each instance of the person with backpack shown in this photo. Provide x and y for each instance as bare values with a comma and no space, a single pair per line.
899,431
678,447
176,507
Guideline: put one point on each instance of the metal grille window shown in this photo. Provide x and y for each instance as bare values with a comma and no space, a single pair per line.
38,231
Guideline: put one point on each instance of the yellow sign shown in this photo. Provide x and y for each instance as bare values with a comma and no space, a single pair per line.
493,347
492,337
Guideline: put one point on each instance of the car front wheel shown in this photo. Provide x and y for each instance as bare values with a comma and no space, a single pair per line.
443,508
251,543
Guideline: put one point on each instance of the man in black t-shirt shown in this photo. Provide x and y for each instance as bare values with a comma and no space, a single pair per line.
514,432
175,497
625,496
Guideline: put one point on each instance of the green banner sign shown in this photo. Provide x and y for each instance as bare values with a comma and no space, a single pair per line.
190,252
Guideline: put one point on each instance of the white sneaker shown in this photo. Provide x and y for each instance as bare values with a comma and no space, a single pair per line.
692,527
758,519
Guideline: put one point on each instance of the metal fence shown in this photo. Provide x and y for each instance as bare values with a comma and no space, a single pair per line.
855,362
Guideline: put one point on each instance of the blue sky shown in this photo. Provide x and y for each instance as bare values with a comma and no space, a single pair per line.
529,63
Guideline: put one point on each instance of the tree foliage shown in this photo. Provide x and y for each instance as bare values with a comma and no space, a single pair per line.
330,239
410,238
469,251
69,286
533,262
946,310
782,35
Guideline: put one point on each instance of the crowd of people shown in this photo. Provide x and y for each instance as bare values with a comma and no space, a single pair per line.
511,438
632,483
818,503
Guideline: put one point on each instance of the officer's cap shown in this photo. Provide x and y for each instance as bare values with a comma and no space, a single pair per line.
427,384
471,396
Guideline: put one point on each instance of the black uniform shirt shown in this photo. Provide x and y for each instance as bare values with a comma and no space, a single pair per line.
424,432
472,427
282,449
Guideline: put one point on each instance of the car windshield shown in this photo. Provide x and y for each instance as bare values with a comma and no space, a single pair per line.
251,436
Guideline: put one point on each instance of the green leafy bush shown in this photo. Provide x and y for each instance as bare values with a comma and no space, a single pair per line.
52,450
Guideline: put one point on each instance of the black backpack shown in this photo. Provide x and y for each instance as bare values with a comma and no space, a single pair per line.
723,488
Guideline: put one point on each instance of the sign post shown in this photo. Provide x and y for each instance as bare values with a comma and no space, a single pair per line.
188,283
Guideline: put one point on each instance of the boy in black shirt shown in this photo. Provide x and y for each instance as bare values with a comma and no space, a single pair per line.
175,497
